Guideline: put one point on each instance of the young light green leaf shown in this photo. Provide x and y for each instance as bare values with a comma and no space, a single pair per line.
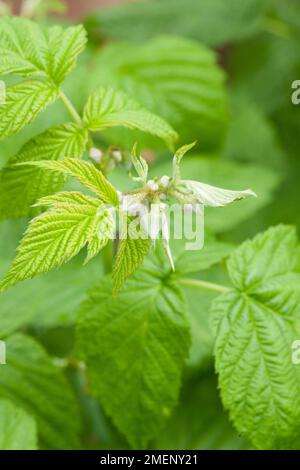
140,165
64,47
18,429
56,236
130,255
174,78
135,346
224,173
86,173
27,49
254,327
21,186
24,101
108,108
45,393
177,159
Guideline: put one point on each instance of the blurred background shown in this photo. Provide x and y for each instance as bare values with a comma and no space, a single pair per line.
221,72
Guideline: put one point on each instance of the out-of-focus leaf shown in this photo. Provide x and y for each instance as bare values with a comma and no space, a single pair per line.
252,138
214,22
31,381
199,422
174,78
254,79
18,429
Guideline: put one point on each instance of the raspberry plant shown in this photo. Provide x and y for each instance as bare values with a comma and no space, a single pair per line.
134,332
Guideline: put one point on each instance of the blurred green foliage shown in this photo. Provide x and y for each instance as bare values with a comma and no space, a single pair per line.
221,73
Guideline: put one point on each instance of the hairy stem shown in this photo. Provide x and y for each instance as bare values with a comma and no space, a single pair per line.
71,109
204,285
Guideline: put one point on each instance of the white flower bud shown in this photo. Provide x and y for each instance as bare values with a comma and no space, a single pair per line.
152,185
96,154
117,155
164,181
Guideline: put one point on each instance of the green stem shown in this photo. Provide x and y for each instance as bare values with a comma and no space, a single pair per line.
108,256
71,109
204,285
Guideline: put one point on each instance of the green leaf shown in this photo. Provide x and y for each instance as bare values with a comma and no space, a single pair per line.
27,49
47,301
86,173
214,22
199,422
192,261
134,346
130,255
252,137
18,429
64,48
21,186
44,394
24,101
108,108
56,236
254,327
175,78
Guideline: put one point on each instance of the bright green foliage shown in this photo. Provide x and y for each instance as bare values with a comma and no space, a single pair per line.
86,173
135,345
24,101
27,49
45,301
130,255
56,236
31,381
175,78
254,326
18,429
67,140
108,108
211,21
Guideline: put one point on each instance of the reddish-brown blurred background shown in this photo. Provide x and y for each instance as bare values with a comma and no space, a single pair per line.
76,8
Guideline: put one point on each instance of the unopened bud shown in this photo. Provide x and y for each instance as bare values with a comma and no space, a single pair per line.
152,185
117,155
164,181
96,154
